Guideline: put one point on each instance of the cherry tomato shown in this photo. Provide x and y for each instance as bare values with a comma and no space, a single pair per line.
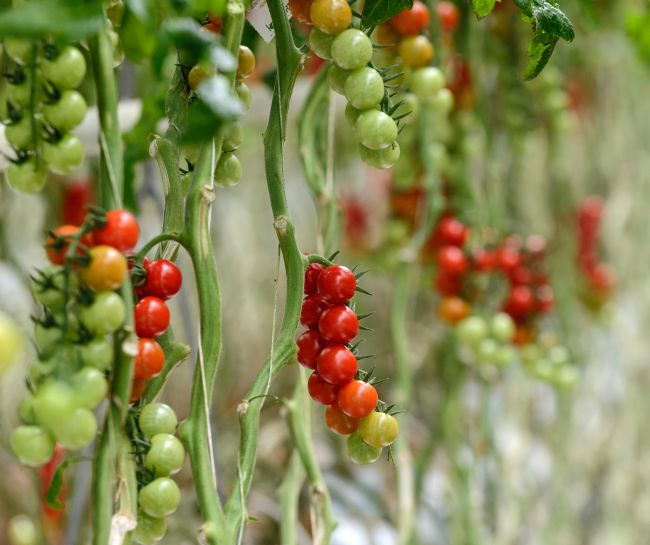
97,353
228,172
322,391
312,308
164,279
386,35
233,137
65,155
375,130
452,260
509,258
311,277
453,309
49,290
157,418
199,73
32,445
149,530
545,299
602,278
411,21
150,360
472,330
77,431
502,327
151,317
107,269
361,452
90,387
120,231
452,232
20,134
321,43
166,455
351,49
338,324
336,364
67,70
520,302
384,158
364,88
427,82
18,49
245,62
19,93
331,16
449,16
340,422
300,10
67,112
54,402
310,345
520,276
27,176
379,429
483,260
415,51
77,196
523,335
57,246
336,77
137,389
337,284
448,284
105,315
357,398
160,497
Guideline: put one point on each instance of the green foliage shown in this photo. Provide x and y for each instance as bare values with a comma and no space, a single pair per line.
483,7
376,12
637,27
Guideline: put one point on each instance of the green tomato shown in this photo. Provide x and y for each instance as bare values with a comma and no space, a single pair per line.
559,355
26,177
67,112
427,82
487,350
67,70
20,94
321,43
20,134
233,137
229,171
361,452
97,353
378,429
443,101
32,445
48,291
502,327
376,130
384,158
244,94
26,410
11,343
352,114
504,356
166,455
64,156
157,418
160,497
38,371
336,77
543,369
351,49
566,376
472,331
405,173
22,531
105,315
397,231
364,88
19,50
149,529
530,353
47,338
90,387
76,432
54,403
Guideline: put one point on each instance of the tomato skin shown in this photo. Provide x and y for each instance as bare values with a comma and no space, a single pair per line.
67,70
91,387
379,429
361,452
331,16
67,112
375,130
64,156
160,497
157,418
164,279
339,422
245,63
120,231
149,530
338,324
452,260
76,432
166,455
453,309
357,398
448,284
452,232
336,364
32,445
411,21
449,16
337,284
351,49
151,317
150,360
312,273
107,269
427,82
364,88
322,391
520,302
312,308
105,315
509,258
310,344
56,249
300,10
416,51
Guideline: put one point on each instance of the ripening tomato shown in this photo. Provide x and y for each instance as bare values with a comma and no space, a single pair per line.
310,344
338,324
411,21
245,62
379,429
300,10
164,279
453,309
449,15
322,391
415,52
57,246
361,452
137,389
151,317
602,278
452,260
339,422
523,335
336,364
107,269
150,360
337,284
357,398
311,277
331,16
120,231
77,196
312,308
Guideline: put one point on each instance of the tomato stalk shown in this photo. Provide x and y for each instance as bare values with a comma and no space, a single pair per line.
289,496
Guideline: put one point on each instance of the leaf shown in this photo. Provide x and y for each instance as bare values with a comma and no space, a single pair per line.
552,20
221,58
56,484
62,19
217,94
524,6
483,7
539,53
376,12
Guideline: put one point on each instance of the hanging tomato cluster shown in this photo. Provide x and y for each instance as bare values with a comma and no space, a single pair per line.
353,406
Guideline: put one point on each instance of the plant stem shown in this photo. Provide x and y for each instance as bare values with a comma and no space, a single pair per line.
289,494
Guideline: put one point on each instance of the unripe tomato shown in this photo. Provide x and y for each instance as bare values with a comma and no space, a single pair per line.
53,403
383,158
331,16
166,455
228,172
32,445
411,21
351,49
336,364
77,431
415,51
312,274
361,452
487,350
244,94
322,391
336,77
502,327
121,231
379,429
150,360
164,279
21,530
245,62
91,387
357,398
449,15
107,269
11,343
67,70
19,93
97,353
337,284
453,309
310,345
427,82
321,43
160,497
364,88
151,317
149,530
105,315
157,418
67,112
339,422
376,130
64,156
338,324
199,73
312,307
27,176
18,49
472,330
233,137
20,134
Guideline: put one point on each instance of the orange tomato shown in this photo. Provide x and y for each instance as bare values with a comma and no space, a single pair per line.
453,309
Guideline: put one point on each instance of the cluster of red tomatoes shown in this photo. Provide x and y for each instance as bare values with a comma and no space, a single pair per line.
336,381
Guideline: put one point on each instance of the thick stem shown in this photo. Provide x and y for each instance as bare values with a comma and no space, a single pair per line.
289,494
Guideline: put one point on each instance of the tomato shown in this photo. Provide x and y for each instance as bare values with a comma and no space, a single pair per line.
443,101
151,317
352,114
340,422
19,94
386,35
503,356
54,402
57,246
157,418
321,390
415,51
483,260
312,308
384,158
523,335
150,360
321,43
448,284
336,77
472,330
18,49
364,88
331,16
149,529
300,10
545,299
426,82
509,258
47,337
47,287
137,389
166,455
379,429
67,70
351,49
453,309
199,73
602,278
590,211
105,315
64,156
20,134
312,273
336,364
449,16
77,196
164,279
160,497
67,112
91,387
502,327
452,232
452,260
487,350
338,324
32,445
233,137
107,269
337,284
520,276
120,231
310,345
361,452
228,172
27,176
245,62
244,94
77,431
97,353
357,398
376,130
411,21
520,302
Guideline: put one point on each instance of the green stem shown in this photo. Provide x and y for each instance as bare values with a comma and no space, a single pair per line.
289,494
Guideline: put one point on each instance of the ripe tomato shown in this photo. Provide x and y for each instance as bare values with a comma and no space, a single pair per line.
120,231
77,195
107,269
357,398
520,276
520,302
166,455
331,16
415,51
137,389
337,284
57,246
452,260
453,309
157,418
310,344
338,324
336,364
300,10
411,21
452,232
245,62
321,390
545,299
311,277
602,278
379,429
483,260
151,317
508,258
312,308
340,422
449,16
164,279
361,452
150,360
160,497
448,284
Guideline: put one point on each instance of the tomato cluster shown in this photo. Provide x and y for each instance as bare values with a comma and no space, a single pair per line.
488,340
43,107
336,381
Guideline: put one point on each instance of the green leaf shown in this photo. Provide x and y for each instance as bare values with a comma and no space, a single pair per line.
539,53
552,20
62,19
376,12
217,94
483,7
525,6
54,491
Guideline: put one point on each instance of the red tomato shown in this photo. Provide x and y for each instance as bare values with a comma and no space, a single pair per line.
338,324
602,278
120,231
77,195
322,391
311,278
312,308
452,232
150,360
484,260
509,258
300,10
310,345
521,276
448,284
357,398
545,299
411,21
449,16
336,364
590,211
520,302
452,260
337,284
164,279
340,422
57,246
137,389
151,317
47,473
